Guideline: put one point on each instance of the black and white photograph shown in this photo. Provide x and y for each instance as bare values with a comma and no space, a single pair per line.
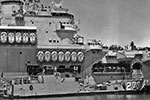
74,49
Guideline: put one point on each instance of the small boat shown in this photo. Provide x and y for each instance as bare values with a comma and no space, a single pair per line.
55,85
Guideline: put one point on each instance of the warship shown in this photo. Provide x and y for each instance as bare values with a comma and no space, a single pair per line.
42,54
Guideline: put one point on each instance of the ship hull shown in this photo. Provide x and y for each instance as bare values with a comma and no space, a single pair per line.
76,94
54,87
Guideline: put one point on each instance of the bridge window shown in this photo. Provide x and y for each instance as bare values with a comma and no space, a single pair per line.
48,69
34,69
61,69
75,69
69,70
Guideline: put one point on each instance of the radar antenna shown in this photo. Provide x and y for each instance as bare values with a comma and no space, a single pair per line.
57,3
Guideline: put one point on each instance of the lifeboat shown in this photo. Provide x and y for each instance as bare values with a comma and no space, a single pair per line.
47,56
80,56
61,56
25,38
40,56
18,37
3,37
67,56
73,56
54,56
32,38
11,37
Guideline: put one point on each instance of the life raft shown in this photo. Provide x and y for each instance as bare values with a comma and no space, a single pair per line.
25,38
18,37
54,56
32,38
47,56
73,56
3,37
67,56
61,56
11,37
80,56
40,56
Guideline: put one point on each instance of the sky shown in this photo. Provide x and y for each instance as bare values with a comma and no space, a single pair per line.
112,21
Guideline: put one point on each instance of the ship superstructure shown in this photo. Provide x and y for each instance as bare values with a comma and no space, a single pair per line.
40,36
44,42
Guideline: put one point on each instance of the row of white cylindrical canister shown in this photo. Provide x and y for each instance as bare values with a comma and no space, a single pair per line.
18,37
60,56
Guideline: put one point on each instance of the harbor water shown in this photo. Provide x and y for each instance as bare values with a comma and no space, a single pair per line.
95,97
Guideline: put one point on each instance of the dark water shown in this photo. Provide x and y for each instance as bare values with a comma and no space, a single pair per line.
95,97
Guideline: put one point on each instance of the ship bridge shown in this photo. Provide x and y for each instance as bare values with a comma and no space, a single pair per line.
58,10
